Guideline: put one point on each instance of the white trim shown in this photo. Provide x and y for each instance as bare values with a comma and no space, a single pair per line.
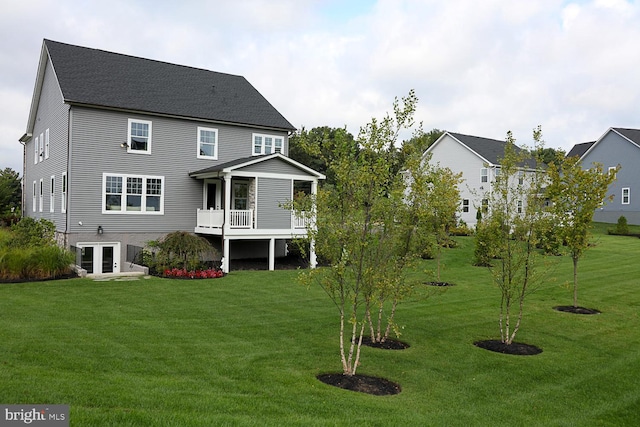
149,138
64,185
35,151
628,195
97,255
123,195
40,196
199,141
52,193
263,143
41,150
46,143
35,195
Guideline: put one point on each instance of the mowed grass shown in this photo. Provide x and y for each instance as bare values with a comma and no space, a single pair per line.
245,350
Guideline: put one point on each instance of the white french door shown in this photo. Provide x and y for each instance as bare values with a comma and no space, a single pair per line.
100,258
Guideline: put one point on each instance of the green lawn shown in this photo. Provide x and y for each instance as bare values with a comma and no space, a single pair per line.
245,350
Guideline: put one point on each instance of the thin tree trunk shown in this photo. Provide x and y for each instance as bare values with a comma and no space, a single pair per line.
575,281
391,317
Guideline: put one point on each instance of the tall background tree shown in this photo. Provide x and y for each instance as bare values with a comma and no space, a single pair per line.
10,195
576,192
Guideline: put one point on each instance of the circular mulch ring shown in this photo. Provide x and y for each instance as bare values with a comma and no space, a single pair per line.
388,344
361,383
438,284
515,348
576,310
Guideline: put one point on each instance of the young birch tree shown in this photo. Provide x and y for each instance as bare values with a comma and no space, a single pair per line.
515,210
353,231
576,193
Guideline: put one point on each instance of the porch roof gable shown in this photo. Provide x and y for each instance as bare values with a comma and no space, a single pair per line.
228,168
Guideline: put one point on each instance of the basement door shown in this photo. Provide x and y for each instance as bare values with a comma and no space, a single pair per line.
100,258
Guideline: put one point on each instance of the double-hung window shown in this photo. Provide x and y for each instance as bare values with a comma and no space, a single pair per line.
139,136
36,153
465,205
484,175
133,194
46,144
52,193
207,143
267,144
626,196
520,177
35,192
63,193
40,195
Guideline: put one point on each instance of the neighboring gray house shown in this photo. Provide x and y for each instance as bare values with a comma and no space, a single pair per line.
618,146
478,159
121,150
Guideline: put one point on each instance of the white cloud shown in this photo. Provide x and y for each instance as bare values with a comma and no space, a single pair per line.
477,67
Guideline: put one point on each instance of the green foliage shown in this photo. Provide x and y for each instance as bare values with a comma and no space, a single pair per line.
178,250
28,251
622,227
10,191
30,232
576,192
510,232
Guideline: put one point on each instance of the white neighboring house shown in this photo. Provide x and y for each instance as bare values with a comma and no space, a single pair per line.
478,159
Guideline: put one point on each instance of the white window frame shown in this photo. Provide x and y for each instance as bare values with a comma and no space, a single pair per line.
465,205
520,206
130,142
63,193
35,152
41,151
520,177
261,148
626,196
215,143
484,175
35,195
46,144
40,196
52,194
143,195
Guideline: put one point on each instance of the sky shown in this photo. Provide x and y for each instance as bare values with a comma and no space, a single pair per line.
477,67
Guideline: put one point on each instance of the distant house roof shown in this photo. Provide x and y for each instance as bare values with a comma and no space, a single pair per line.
580,149
632,135
490,150
111,80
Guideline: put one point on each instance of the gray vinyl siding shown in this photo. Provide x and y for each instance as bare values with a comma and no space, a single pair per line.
271,194
96,138
52,114
612,150
275,166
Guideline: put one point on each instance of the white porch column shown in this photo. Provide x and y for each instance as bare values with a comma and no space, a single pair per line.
313,260
272,254
225,256
227,202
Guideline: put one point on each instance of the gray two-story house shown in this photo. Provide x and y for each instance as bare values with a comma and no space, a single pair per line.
617,146
121,150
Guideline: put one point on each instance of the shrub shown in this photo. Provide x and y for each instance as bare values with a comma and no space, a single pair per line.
31,232
178,273
622,227
179,250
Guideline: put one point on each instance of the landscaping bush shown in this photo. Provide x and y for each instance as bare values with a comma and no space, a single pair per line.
178,250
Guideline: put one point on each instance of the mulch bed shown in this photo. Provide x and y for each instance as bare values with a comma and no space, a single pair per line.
388,344
576,310
438,284
361,383
71,275
515,348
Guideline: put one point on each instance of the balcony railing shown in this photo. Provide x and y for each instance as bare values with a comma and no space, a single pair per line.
299,220
212,218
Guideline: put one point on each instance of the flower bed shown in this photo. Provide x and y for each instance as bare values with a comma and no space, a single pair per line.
177,273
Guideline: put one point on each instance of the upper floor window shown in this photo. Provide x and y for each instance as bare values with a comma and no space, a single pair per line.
626,196
498,172
63,200
207,143
46,144
612,169
35,192
41,147
139,136
240,195
133,194
520,177
267,144
484,175
465,205
40,195
36,152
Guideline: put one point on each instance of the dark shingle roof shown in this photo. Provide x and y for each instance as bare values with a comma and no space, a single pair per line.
632,134
105,79
491,150
580,149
